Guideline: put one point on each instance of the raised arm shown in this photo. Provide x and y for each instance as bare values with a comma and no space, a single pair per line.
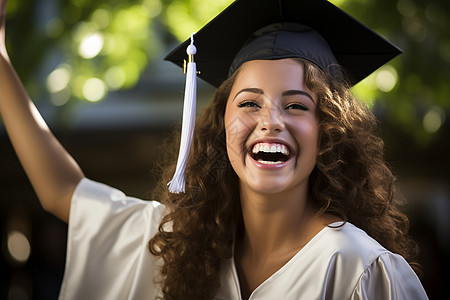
53,173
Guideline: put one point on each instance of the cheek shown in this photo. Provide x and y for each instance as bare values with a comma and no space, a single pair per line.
236,133
308,134
238,128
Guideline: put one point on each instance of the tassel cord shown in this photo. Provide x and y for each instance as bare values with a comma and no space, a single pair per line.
177,184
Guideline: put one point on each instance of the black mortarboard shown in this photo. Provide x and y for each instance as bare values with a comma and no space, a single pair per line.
356,48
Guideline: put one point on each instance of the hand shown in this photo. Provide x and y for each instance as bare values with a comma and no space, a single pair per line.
3,51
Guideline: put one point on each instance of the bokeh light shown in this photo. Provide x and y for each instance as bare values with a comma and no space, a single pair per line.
433,119
94,89
54,28
58,79
18,246
386,78
407,8
115,77
61,97
91,45
153,7
435,13
102,18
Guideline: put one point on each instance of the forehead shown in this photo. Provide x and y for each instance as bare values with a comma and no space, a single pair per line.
276,71
272,76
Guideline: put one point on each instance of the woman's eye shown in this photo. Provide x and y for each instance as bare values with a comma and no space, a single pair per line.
248,104
297,106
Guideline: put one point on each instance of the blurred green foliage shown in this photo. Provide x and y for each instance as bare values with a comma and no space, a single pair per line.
97,46
93,46
419,103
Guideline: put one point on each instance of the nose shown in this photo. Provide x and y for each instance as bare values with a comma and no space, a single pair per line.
272,120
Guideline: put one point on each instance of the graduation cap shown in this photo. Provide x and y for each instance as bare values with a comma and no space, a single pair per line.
357,49
314,30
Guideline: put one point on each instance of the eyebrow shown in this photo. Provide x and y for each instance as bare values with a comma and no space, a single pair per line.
250,90
298,92
285,93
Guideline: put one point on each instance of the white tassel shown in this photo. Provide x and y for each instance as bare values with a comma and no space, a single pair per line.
177,184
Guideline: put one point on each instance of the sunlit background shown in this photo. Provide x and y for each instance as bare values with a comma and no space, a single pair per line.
95,70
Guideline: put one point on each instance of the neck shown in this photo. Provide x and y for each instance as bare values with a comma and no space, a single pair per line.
275,222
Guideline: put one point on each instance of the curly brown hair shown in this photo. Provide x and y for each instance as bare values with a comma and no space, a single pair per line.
351,180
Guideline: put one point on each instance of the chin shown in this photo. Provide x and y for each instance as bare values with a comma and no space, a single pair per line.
268,186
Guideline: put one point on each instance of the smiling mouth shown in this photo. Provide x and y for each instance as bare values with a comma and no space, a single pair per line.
270,153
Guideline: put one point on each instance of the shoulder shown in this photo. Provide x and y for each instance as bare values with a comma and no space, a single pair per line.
367,268
104,199
352,243
100,210
389,277
346,251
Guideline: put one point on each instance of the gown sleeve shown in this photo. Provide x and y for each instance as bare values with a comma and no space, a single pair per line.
107,254
389,277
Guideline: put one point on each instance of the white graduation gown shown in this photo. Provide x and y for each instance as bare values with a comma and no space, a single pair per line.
108,258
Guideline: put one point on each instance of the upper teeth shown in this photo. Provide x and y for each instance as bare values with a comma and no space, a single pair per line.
270,148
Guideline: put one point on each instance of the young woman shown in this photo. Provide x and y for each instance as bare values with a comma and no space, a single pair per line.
287,194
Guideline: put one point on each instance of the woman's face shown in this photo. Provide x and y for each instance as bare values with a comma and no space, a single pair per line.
271,126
